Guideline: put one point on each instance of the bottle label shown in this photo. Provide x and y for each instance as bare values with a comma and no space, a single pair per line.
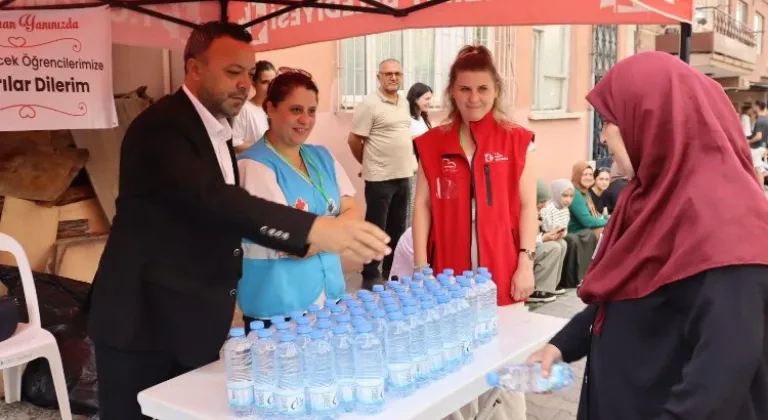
347,391
436,362
323,399
466,347
420,369
264,399
240,394
400,376
290,401
370,392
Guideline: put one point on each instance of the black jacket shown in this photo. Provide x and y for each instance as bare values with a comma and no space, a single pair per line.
168,276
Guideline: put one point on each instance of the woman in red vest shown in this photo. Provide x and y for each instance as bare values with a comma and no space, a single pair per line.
475,199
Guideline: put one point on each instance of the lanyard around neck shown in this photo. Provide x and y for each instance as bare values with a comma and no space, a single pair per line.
320,188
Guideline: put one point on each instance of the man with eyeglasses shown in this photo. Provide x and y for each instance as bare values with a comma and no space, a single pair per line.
381,141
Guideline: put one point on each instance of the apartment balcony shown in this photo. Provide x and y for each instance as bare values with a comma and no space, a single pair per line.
721,46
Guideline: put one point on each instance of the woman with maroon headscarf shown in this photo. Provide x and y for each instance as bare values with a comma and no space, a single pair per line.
678,289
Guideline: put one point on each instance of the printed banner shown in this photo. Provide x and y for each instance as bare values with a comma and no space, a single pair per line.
308,25
56,70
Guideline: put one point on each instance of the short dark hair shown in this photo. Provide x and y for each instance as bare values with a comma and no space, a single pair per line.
261,67
282,86
202,37
761,105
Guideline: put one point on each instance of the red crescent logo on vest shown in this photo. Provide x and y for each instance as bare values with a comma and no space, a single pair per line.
301,204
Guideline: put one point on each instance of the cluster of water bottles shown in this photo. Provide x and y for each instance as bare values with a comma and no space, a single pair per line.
348,356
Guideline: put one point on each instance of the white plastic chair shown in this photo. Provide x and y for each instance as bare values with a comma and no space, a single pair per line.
30,341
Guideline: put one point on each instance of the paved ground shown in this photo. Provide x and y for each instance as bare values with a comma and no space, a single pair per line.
563,404
559,406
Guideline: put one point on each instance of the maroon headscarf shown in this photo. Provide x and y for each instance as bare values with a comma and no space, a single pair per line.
694,203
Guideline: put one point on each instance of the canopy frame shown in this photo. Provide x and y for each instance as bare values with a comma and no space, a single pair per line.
374,7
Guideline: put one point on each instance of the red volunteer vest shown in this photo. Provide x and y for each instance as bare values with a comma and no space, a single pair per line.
493,179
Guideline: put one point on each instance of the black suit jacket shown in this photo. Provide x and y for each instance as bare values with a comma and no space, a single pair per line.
168,276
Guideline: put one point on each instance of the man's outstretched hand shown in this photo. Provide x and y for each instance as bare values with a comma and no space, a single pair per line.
355,240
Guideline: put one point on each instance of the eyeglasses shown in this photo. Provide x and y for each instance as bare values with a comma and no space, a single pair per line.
392,74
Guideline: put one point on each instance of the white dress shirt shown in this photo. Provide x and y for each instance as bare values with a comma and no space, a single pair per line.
220,132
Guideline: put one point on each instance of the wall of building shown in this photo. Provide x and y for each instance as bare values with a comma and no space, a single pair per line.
561,138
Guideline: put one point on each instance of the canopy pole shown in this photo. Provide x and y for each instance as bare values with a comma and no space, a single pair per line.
224,13
686,31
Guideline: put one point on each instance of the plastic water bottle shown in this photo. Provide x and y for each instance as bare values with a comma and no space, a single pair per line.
469,275
295,315
449,333
289,393
237,360
493,304
449,272
370,370
303,321
336,310
367,297
344,321
434,341
263,354
255,327
312,311
429,274
277,319
343,346
399,362
379,324
419,359
325,326
464,324
282,328
470,294
419,278
527,378
370,307
357,311
377,290
484,314
345,299
322,388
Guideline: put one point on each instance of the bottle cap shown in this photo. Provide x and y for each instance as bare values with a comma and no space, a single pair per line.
256,325
340,329
363,327
409,310
343,318
303,329
448,271
277,319
492,379
286,337
265,333
395,316
302,321
314,308
322,315
317,334
378,288
237,332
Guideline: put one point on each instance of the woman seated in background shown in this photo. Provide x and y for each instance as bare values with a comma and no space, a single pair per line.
602,181
584,215
550,246
280,167
584,227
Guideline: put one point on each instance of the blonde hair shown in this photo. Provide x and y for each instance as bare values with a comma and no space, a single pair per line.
475,58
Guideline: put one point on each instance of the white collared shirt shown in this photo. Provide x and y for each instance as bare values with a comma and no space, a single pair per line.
219,131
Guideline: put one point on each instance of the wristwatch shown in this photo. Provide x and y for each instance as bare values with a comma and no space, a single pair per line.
531,254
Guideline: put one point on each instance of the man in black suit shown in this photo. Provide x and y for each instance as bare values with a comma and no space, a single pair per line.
163,297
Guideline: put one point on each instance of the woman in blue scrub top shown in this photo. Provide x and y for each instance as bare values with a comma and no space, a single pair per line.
280,167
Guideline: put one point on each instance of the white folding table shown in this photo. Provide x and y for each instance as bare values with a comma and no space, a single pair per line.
201,394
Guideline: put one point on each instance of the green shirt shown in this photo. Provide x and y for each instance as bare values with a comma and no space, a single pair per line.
581,217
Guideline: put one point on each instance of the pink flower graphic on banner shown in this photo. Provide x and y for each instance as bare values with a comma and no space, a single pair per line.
28,112
21,42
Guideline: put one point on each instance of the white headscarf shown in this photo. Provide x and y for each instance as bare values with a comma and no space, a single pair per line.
559,186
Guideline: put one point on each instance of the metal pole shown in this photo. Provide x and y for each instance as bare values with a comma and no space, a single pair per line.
686,31
224,10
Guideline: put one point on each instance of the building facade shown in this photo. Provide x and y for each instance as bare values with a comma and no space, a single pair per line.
548,71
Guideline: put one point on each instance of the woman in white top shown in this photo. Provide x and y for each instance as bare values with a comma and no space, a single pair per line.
419,97
251,123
